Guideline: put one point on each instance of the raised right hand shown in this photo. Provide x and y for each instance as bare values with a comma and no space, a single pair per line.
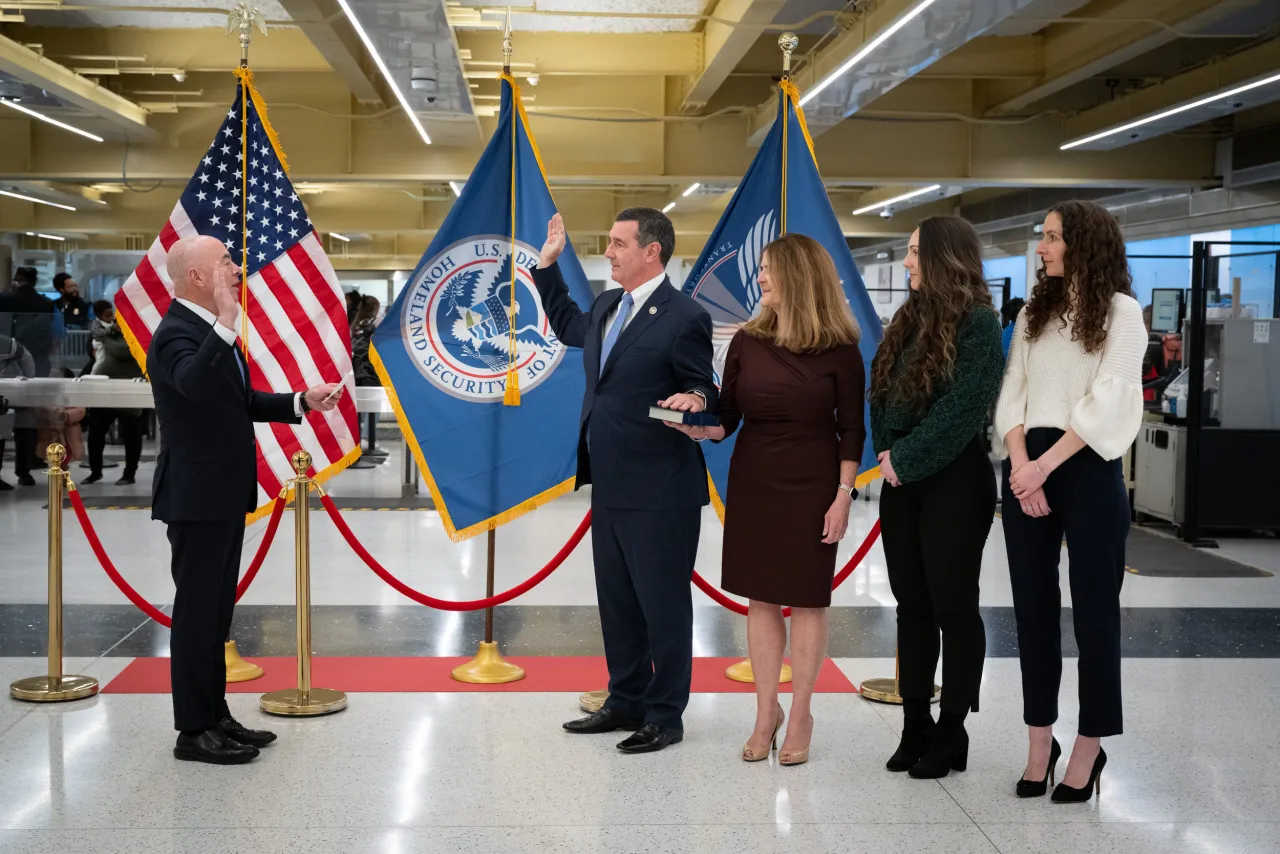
227,301
555,242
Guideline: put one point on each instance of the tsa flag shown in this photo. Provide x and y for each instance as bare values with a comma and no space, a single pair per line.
468,317
782,192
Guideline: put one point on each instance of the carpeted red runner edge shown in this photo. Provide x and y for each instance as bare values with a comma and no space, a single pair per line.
408,675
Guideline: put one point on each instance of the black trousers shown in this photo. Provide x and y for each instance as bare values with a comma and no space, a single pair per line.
206,568
933,532
100,421
24,449
1088,505
644,566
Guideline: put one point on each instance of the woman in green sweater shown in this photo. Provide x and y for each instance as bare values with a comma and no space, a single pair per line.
934,381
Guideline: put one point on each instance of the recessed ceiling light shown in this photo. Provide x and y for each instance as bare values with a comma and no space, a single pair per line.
887,202
51,237
386,73
456,187
668,208
335,234
866,49
693,188
42,117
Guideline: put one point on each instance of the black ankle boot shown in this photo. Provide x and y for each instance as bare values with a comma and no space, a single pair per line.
948,749
917,726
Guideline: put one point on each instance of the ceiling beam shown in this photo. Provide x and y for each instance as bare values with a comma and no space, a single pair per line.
1074,52
324,24
587,54
69,87
736,26
1190,86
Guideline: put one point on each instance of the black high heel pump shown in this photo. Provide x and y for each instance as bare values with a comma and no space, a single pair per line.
1064,794
1037,789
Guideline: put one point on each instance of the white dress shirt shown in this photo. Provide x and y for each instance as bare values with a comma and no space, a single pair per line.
231,338
638,297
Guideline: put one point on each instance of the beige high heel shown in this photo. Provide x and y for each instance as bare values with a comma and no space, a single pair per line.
748,752
795,757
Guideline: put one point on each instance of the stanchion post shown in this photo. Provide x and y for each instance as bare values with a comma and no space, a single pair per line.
742,672
303,701
488,667
886,690
55,686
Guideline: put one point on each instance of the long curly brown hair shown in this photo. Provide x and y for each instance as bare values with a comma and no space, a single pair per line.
951,285
1095,262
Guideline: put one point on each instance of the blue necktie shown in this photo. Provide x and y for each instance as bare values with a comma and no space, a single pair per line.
239,356
624,311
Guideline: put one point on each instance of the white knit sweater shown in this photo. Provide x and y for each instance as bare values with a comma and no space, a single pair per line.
1053,382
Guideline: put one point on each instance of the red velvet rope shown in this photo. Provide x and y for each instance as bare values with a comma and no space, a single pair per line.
444,604
77,504
738,608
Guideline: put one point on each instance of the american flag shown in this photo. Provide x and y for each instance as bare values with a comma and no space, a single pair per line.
297,321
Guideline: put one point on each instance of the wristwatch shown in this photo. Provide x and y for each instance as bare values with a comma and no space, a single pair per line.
848,487
302,403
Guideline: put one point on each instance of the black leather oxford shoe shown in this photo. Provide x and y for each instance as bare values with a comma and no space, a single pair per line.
604,720
236,731
651,737
213,747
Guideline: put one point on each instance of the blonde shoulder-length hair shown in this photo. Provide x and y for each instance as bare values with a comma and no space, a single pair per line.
813,314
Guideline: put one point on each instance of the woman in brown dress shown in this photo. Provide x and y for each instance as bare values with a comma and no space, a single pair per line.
794,380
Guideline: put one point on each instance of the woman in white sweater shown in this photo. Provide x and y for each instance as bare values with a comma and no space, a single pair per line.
1070,407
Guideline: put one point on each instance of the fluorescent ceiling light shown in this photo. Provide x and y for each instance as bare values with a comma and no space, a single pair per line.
1230,93
42,117
51,237
340,237
34,199
878,205
457,189
866,49
668,208
386,73
693,188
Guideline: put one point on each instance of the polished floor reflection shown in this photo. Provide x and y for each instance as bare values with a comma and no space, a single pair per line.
1198,769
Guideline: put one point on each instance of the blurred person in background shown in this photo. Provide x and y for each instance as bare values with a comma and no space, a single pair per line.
30,318
74,309
117,362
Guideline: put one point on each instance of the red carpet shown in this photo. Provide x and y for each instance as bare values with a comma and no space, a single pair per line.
395,675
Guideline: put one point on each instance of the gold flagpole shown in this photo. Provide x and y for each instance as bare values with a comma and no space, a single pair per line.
511,395
241,20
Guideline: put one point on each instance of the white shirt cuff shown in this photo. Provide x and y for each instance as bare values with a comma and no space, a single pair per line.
225,334
297,404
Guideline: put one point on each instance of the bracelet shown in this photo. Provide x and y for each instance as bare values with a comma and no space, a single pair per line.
1039,470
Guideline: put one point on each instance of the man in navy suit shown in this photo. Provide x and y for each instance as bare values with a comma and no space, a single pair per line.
206,480
644,343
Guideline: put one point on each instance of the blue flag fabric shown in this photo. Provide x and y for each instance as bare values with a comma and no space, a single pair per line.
782,192
444,348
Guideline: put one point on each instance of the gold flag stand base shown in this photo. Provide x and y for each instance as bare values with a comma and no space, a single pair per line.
488,667
54,689
742,672
239,670
294,702
592,701
886,691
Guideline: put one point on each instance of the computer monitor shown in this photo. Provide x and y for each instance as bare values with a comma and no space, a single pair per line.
1166,309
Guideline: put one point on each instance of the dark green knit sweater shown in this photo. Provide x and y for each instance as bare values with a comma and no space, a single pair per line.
923,444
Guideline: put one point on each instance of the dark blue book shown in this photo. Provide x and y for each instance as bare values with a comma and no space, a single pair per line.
693,419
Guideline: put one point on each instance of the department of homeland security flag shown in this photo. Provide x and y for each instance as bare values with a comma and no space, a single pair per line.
295,319
445,346
782,192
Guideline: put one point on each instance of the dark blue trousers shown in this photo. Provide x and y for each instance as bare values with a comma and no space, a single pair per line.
644,566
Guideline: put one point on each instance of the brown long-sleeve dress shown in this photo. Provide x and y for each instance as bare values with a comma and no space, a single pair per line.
801,414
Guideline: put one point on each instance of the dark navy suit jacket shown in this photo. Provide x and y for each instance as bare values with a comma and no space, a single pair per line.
634,461
207,469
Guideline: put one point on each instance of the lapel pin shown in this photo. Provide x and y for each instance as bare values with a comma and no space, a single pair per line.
653,309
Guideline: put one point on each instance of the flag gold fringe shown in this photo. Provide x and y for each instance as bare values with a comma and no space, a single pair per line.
135,347
411,441
321,477
246,75
867,477
511,394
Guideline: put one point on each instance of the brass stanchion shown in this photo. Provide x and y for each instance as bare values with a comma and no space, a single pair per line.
592,701
886,690
303,701
488,667
55,686
238,670
742,672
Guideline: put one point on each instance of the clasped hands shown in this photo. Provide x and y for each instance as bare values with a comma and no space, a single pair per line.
1026,482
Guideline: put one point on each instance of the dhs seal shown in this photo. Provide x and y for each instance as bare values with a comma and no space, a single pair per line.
457,320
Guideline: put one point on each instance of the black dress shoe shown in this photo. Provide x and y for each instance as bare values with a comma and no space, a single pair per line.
26,480
92,478
5,487
605,720
651,737
948,749
236,731
917,726
127,480
214,747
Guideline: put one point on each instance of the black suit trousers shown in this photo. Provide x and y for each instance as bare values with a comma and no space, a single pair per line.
934,531
206,568
1089,506
644,566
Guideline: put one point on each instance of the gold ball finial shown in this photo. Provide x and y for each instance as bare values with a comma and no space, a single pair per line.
55,454
788,42
301,462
